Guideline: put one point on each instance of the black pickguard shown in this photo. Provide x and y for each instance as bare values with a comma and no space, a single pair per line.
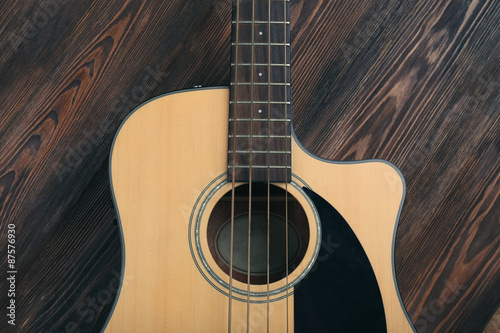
341,293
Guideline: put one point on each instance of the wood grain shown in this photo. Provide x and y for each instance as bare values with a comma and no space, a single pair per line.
413,82
494,324
167,288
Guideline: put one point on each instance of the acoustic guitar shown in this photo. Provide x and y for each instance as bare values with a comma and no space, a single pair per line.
230,225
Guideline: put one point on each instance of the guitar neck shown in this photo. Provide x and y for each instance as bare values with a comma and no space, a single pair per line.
260,102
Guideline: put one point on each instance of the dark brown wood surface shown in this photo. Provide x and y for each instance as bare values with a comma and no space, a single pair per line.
413,82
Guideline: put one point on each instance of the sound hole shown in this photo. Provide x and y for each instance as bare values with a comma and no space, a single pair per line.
219,233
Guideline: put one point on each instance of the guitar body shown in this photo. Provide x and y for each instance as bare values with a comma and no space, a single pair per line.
167,170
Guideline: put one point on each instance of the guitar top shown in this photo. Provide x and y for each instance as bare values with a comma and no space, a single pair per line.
230,225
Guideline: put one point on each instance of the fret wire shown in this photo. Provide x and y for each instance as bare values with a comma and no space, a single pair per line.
259,102
259,166
261,84
262,120
260,64
276,1
260,152
246,136
262,22
259,44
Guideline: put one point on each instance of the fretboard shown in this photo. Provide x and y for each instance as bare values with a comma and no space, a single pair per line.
260,105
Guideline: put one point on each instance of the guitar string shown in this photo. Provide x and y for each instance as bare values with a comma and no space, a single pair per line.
233,181
250,164
286,159
268,152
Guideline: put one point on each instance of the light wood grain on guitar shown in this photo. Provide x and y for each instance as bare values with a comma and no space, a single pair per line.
164,155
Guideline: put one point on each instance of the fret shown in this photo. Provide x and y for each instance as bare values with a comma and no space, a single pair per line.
260,111
265,1
261,74
273,175
260,152
279,54
259,120
260,84
261,22
263,93
259,166
264,158
259,102
259,11
259,128
260,44
282,144
261,33
260,64
239,136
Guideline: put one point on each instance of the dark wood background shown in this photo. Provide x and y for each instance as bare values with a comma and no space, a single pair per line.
413,82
